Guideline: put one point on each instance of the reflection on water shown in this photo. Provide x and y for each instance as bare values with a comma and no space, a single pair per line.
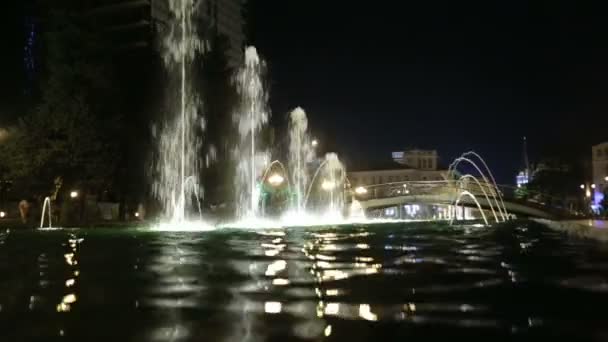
356,283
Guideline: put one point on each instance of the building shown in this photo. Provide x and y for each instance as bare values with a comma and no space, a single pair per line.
226,19
599,168
418,159
133,23
407,166
394,173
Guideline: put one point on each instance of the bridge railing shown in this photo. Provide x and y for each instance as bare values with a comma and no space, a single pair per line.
453,188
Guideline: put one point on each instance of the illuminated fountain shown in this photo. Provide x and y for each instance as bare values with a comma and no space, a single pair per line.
486,185
301,153
251,117
46,208
177,163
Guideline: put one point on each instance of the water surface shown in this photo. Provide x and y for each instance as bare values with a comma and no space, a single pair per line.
389,282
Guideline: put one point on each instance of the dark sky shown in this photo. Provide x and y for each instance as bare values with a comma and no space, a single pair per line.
378,76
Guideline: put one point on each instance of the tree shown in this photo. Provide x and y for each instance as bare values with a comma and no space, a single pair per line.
69,134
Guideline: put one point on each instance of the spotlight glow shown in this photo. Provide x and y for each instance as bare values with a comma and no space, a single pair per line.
74,194
2,214
276,179
328,185
360,190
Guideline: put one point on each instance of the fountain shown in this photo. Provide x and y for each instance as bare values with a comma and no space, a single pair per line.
301,153
45,205
331,176
251,117
179,142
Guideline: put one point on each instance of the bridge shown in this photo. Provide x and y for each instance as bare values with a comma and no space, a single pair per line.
491,200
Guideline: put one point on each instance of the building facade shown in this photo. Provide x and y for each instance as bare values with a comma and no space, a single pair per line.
599,165
225,18
133,23
418,159
395,174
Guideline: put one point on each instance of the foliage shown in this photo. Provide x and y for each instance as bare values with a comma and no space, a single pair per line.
69,133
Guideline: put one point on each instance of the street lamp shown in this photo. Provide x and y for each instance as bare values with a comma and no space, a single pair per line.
315,143
592,186
276,179
360,190
2,214
74,194
582,186
328,185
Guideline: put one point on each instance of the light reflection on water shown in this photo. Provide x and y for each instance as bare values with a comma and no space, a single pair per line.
348,283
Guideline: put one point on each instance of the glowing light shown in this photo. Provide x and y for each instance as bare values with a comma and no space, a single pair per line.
70,282
366,313
315,143
592,186
588,193
360,190
276,267
280,282
332,309
74,194
582,186
2,214
276,179
327,330
69,259
272,307
332,292
136,214
606,178
70,299
328,185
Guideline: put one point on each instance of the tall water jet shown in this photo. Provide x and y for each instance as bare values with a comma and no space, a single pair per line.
178,138
301,153
251,117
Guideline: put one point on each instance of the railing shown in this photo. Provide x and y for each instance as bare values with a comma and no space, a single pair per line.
452,188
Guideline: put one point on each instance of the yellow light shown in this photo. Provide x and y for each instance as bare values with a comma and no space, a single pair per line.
136,214
582,186
74,194
360,190
2,214
328,185
276,179
70,282
592,186
588,193
606,179
315,143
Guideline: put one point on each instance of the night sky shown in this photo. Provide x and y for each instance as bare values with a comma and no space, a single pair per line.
380,76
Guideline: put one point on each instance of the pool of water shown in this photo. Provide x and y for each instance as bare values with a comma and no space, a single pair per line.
389,282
